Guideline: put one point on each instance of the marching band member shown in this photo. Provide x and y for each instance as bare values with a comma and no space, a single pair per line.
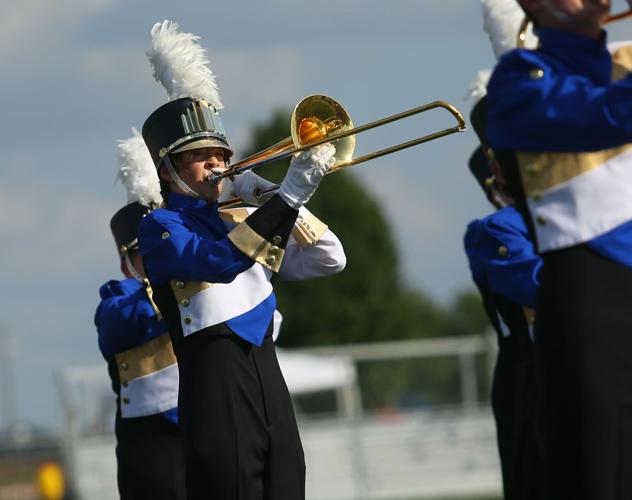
211,272
133,339
561,115
506,268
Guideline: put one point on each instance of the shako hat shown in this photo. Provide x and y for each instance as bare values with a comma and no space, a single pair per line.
181,125
191,118
481,170
124,226
136,171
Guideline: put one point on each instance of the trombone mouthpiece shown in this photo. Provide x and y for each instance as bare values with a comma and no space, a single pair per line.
214,178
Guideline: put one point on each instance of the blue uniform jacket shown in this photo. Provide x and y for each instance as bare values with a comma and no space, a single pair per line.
502,258
561,98
125,319
188,241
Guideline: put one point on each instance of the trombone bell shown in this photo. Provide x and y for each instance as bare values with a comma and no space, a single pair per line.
318,117
314,119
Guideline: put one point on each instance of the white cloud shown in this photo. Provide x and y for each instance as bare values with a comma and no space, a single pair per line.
31,22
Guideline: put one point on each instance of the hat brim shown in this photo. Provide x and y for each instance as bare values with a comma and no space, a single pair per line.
204,143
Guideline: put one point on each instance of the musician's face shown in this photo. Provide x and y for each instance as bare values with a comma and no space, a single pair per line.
195,166
582,16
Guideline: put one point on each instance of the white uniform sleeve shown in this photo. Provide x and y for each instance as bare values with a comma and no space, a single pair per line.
324,258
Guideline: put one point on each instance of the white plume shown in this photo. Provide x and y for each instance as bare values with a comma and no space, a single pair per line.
478,88
180,64
501,21
137,171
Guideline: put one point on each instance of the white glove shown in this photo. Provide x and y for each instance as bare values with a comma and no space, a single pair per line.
247,184
306,170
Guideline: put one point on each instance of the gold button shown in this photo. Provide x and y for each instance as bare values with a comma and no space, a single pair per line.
179,284
274,250
165,235
126,401
185,302
503,251
489,181
534,168
270,260
536,74
123,248
124,366
490,154
276,240
540,220
163,152
188,320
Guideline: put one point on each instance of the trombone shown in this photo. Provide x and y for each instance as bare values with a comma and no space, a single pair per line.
618,17
318,119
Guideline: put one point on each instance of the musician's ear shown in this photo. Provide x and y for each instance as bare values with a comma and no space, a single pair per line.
164,174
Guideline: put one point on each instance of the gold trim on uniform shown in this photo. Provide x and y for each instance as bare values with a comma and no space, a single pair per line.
529,314
150,295
542,171
184,290
145,359
256,247
621,62
308,229
233,215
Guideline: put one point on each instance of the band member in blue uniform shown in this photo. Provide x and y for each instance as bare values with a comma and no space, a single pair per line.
505,268
210,272
563,113
134,341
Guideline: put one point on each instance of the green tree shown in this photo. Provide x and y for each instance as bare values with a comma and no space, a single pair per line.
467,315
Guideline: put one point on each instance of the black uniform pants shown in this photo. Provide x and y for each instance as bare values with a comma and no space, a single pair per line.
513,402
240,435
584,375
149,458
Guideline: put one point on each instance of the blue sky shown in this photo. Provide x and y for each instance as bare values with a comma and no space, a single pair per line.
75,80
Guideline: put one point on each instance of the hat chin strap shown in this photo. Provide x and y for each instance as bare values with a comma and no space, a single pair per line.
132,270
181,184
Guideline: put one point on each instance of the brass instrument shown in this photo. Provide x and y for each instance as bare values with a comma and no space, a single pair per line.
526,22
319,119
618,17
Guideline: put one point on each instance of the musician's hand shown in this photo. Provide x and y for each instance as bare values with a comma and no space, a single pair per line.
248,184
306,170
